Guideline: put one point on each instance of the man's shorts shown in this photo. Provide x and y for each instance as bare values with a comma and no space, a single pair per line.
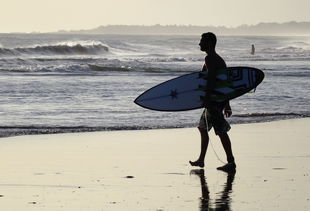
213,117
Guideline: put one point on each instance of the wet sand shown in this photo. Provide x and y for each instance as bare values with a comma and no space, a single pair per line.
149,170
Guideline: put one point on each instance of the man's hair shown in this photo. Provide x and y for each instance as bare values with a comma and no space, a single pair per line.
210,37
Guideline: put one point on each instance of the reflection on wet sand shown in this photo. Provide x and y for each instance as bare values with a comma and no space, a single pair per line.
223,199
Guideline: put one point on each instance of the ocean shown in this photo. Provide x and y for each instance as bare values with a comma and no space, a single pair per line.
54,83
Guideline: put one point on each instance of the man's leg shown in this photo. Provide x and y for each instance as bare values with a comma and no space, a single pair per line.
230,166
227,147
203,148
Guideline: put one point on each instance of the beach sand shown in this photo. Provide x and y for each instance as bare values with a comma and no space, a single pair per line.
149,170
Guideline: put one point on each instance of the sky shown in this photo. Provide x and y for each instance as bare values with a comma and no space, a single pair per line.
54,15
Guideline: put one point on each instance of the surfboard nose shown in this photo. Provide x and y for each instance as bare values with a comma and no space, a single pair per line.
260,75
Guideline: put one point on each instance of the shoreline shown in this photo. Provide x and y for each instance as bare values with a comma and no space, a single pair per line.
11,131
149,170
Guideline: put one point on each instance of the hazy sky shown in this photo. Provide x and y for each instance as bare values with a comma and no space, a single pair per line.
53,15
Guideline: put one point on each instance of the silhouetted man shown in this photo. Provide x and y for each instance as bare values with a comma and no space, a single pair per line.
213,115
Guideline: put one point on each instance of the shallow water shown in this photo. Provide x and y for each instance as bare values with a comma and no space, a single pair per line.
69,83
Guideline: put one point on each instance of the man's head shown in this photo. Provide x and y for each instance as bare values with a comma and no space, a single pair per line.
207,42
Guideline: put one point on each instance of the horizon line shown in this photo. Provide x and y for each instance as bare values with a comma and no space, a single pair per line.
154,25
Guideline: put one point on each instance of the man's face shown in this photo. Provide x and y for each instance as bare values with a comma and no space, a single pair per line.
203,44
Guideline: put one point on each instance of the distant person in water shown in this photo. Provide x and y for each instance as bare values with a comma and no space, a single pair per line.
253,50
213,114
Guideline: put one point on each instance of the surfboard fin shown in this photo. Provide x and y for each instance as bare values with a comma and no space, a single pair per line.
252,90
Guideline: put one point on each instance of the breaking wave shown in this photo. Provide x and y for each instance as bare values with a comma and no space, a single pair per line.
58,49
137,68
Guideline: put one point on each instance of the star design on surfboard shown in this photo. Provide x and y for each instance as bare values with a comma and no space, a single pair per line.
174,94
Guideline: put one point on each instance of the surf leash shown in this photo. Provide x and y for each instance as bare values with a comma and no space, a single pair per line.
217,156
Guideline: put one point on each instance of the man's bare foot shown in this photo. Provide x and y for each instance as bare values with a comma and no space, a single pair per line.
197,163
229,167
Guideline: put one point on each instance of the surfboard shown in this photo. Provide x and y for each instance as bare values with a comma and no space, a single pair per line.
188,91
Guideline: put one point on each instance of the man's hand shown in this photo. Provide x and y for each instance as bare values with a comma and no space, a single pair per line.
227,110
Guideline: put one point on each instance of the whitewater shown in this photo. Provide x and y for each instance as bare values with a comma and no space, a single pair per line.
53,83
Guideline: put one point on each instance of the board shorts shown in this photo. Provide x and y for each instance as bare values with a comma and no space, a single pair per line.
213,117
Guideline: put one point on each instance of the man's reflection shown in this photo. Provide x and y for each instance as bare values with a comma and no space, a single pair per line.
223,200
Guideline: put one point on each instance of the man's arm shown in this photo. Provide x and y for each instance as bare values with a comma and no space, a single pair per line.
227,110
211,80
